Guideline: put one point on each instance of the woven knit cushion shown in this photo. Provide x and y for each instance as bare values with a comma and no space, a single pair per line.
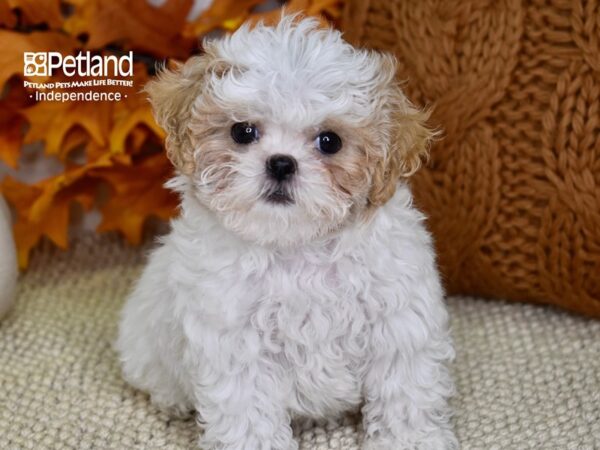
513,188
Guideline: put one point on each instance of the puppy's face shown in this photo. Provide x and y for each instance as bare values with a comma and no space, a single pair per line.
288,133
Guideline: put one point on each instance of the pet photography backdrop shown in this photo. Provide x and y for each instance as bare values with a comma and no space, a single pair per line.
511,191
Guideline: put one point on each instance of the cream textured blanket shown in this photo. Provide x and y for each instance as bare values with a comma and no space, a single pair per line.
527,377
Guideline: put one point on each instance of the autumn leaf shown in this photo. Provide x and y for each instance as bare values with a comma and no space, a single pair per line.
14,44
226,14
132,129
7,17
39,11
51,121
133,119
333,8
11,137
12,124
50,222
27,234
230,14
138,194
133,23
43,208
55,185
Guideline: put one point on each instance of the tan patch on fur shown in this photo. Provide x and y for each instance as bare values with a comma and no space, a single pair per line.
407,138
172,94
349,168
213,153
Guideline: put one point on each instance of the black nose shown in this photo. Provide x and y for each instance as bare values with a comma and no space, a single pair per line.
281,167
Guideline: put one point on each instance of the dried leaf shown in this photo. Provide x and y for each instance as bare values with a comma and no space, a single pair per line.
39,11
138,194
134,23
226,14
51,121
15,44
53,224
12,124
131,116
11,137
55,185
317,8
7,17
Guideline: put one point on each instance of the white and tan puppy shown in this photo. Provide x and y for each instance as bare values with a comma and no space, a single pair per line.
299,280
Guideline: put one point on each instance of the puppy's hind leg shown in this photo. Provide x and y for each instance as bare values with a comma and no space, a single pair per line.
149,347
143,368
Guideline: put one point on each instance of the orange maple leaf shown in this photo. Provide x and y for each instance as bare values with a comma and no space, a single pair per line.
133,23
318,8
11,137
35,12
133,120
15,44
226,14
52,224
52,121
7,17
230,14
43,208
12,124
138,194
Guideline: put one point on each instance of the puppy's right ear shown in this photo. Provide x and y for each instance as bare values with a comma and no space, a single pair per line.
172,94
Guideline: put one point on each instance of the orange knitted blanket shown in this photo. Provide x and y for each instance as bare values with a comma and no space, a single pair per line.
513,189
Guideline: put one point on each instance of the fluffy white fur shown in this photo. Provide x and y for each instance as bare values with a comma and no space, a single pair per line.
8,259
254,313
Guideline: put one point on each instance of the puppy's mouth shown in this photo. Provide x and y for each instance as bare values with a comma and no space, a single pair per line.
279,195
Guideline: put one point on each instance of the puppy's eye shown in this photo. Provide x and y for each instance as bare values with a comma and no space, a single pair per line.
328,142
244,133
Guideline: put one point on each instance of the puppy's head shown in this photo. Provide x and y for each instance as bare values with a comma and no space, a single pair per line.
288,133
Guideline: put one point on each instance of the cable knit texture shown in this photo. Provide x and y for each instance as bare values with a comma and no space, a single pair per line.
527,377
513,188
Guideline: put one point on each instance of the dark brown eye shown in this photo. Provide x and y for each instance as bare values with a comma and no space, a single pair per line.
244,133
328,142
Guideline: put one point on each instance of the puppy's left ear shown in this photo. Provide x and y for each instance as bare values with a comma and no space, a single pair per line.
405,133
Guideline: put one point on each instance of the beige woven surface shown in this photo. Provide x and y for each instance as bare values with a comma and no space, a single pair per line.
528,377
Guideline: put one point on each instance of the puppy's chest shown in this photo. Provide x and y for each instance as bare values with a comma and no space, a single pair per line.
312,306
314,324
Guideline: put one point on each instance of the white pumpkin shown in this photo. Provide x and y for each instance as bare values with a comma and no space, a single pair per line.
8,259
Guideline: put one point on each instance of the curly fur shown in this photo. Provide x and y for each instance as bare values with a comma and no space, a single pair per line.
252,313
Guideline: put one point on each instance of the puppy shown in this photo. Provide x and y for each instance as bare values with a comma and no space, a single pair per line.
299,280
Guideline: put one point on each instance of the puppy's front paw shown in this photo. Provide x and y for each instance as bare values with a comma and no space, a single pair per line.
247,439
438,440
173,405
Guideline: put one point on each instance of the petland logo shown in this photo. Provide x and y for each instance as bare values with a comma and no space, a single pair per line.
97,68
84,64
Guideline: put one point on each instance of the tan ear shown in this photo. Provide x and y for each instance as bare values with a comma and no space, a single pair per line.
408,136
172,94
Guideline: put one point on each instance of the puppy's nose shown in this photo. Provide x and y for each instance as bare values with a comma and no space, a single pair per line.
281,167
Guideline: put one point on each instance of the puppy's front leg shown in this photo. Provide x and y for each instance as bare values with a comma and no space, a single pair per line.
407,385
241,405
